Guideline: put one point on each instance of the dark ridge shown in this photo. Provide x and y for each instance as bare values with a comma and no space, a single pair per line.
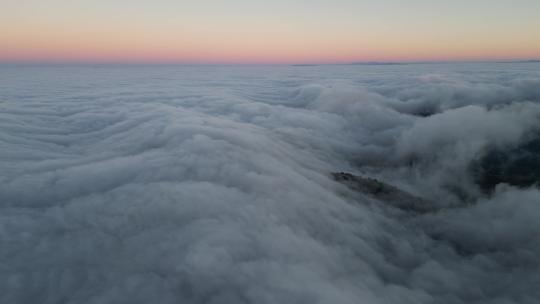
377,63
394,196
426,111
517,166
521,61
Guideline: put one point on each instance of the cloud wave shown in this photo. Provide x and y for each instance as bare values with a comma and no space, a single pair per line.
213,184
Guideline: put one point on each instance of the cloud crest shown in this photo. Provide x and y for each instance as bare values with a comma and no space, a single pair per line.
212,185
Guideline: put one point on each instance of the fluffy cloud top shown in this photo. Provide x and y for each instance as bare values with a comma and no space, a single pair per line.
213,185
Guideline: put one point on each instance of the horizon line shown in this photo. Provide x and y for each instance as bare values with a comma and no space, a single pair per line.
305,64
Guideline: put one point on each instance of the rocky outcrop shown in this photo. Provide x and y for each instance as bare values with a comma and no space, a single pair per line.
384,192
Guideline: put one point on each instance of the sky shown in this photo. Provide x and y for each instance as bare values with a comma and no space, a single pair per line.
256,31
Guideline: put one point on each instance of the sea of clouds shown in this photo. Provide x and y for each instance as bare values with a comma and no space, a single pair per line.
212,184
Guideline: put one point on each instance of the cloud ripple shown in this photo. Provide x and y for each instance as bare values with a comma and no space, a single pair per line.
212,184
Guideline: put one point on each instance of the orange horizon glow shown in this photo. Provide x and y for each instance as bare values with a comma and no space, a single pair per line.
103,51
242,32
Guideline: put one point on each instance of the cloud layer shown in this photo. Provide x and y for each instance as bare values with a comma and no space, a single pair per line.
212,184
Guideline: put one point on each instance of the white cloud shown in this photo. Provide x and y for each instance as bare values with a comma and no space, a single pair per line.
212,185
